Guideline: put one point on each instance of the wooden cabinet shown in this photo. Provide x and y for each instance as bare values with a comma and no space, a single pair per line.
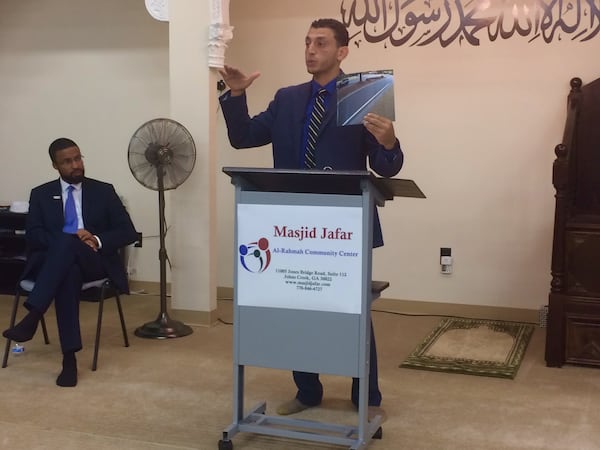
573,334
574,322
12,249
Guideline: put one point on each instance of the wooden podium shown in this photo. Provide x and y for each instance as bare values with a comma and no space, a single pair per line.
303,287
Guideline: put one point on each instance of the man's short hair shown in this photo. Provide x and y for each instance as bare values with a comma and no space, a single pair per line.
60,144
339,30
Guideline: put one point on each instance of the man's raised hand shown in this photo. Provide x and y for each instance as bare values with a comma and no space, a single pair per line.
237,81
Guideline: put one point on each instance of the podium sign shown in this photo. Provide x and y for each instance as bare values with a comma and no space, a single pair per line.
300,257
280,325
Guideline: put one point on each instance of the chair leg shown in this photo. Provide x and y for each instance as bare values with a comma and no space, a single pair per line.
13,319
45,331
6,351
122,318
98,328
99,325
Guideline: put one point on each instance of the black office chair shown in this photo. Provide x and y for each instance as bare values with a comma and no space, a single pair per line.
94,291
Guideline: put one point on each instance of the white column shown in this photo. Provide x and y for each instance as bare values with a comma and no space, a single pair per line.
193,93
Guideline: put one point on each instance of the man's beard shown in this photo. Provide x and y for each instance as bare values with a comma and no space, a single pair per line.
74,179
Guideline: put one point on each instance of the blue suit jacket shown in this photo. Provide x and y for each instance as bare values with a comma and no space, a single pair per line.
103,215
282,124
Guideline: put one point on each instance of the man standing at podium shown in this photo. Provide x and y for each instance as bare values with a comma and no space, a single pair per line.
300,123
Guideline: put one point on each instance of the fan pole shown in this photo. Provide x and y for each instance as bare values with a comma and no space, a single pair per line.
163,327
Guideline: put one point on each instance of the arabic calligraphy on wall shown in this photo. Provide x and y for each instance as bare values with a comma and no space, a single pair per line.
444,22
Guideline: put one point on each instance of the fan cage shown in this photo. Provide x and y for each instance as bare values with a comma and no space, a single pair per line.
161,145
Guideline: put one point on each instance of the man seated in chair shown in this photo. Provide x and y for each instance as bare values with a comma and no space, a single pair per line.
75,228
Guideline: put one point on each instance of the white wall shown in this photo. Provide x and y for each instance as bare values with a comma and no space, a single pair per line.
478,125
92,71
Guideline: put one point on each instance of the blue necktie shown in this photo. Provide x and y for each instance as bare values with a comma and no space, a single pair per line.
316,117
70,213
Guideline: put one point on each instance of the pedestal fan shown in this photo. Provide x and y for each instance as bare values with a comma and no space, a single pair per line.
161,156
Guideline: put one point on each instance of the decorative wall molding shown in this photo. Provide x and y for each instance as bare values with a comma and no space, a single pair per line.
219,33
158,9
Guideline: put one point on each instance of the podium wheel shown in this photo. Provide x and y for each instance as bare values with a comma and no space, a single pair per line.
225,445
378,434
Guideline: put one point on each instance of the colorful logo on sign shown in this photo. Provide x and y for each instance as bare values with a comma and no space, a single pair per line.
255,256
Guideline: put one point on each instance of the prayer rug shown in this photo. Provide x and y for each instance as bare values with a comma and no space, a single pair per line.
489,348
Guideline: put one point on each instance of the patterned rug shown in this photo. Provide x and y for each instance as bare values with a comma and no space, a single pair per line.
488,348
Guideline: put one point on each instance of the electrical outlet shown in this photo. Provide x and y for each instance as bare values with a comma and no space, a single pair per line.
446,269
446,260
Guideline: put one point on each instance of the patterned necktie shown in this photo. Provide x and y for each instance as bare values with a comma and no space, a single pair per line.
314,124
70,213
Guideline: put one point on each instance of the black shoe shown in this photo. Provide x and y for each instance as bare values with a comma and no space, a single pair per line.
25,329
68,376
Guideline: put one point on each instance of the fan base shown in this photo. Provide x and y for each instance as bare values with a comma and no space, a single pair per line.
163,328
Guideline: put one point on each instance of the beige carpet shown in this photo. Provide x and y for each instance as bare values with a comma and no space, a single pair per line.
177,394
474,347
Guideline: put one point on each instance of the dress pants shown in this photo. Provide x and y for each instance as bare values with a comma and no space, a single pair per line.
67,264
310,389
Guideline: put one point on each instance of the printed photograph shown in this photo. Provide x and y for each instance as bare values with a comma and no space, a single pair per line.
363,92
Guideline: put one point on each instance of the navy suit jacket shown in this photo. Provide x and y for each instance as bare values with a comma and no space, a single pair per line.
103,215
282,124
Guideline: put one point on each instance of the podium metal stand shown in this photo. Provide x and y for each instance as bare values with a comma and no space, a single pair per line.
303,288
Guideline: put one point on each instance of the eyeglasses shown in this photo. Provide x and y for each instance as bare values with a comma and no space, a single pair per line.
69,161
